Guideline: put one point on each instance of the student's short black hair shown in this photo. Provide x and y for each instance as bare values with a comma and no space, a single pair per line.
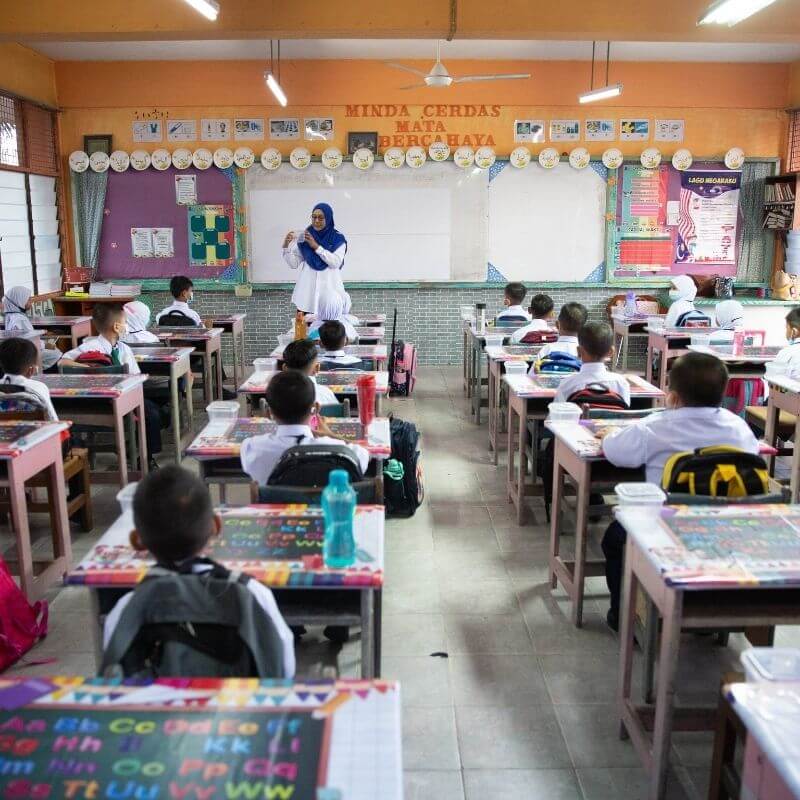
290,397
699,380
104,315
173,514
332,335
596,338
515,292
16,355
178,284
793,317
571,318
541,305
300,354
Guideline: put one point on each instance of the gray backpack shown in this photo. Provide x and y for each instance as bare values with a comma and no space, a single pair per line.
182,624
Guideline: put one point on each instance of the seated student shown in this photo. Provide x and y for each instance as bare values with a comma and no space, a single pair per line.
174,520
181,288
290,397
729,316
571,319
541,311
693,419
18,360
348,306
303,356
333,338
595,346
513,295
137,315
16,304
682,294
790,355
331,308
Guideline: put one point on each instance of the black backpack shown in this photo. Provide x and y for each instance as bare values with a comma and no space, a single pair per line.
176,319
310,465
693,319
404,495
597,395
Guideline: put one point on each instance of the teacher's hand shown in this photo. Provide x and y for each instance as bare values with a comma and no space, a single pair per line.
311,241
288,240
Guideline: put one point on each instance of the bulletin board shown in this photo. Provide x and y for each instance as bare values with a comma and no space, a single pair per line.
207,235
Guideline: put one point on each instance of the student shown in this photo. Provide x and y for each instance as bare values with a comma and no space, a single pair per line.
16,304
541,311
571,318
303,356
18,360
595,346
693,419
514,294
682,294
290,397
790,355
333,338
174,520
348,307
331,308
137,315
182,289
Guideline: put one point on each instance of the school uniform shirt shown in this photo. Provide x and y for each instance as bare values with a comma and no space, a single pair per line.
322,394
101,344
513,311
676,310
311,283
790,355
594,372
264,598
652,440
178,305
533,325
564,344
338,357
37,389
141,337
260,454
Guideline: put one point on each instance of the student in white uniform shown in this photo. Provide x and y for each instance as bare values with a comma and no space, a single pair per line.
137,315
790,354
174,520
290,397
348,307
18,360
541,311
333,338
693,419
303,356
571,318
331,308
682,294
729,316
182,289
595,346
513,295
16,305
319,256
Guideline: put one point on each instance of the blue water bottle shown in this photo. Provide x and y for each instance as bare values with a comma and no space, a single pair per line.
339,508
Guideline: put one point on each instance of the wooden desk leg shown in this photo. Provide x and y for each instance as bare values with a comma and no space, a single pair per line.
625,343
189,395
22,533
97,626
493,410
630,587
62,545
122,449
477,396
581,523
725,739
510,488
367,634
649,649
377,595
235,344
555,515
219,373
795,481
648,369
522,465
663,366
144,457
176,414
207,378
771,435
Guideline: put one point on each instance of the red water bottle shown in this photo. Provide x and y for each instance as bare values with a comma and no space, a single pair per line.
365,391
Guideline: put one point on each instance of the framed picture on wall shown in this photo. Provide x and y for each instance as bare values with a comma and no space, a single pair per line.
358,139
97,143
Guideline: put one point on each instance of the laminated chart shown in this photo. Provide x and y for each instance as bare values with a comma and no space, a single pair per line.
211,235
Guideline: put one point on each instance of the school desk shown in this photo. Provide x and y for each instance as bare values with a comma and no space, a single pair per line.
625,329
101,399
277,556
202,738
666,344
173,362
33,336
376,353
703,567
369,318
26,449
342,384
207,343
76,329
784,395
749,363
371,334
233,324
83,306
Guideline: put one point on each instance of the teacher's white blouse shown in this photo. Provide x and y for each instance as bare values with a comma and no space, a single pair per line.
311,283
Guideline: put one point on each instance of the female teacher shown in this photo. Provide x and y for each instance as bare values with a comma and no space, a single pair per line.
319,255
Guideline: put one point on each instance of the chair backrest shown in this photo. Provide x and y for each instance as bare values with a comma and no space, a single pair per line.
93,369
332,366
176,318
294,495
308,465
16,403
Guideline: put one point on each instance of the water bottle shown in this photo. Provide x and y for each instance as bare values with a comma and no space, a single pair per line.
339,508
630,304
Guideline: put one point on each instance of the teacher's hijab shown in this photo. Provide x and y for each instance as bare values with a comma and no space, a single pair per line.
327,237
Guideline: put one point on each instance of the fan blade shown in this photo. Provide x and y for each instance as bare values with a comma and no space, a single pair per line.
511,77
415,86
412,70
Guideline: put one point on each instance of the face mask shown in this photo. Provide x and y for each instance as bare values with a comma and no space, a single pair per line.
674,294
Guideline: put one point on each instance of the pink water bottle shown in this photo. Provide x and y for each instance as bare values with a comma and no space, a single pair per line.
365,391
738,343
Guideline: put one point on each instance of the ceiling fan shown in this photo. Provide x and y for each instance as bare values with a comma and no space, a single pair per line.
440,77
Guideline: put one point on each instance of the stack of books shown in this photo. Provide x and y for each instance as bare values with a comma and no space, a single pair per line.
106,289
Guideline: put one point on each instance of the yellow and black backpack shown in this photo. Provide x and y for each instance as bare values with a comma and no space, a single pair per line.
716,472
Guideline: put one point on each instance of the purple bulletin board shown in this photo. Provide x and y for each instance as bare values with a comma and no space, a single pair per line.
146,199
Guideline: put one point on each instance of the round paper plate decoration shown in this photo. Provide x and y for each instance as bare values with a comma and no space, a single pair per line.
202,158
78,161
300,158
271,158
464,157
119,161
98,162
244,158
140,159
520,157
612,158
416,156
682,159
651,157
332,158
394,157
439,151
182,158
223,158
734,158
363,158
485,157
579,158
549,158
161,159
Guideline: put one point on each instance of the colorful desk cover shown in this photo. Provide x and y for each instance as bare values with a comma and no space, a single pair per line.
369,352
749,354
44,322
338,382
90,385
514,352
201,738
544,386
278,545
161,355
227,319
17,436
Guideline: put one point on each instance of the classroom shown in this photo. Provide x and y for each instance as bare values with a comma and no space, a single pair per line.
481,483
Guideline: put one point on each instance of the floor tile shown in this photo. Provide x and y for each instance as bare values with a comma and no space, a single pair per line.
429,738
433,785
516,784
603,783
592,736
486,633
484,597
424,681
413,634
497,680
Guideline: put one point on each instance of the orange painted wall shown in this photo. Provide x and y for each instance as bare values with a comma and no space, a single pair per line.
28,74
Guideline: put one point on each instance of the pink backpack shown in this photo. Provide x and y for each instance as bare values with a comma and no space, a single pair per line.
21,624
403,373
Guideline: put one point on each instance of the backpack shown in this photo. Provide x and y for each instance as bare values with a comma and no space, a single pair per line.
403,374
403,491
556,362
721,471
94,358
21,624
693,319
176,319
15,400
310,465
539,337
181,624
510,321
596,395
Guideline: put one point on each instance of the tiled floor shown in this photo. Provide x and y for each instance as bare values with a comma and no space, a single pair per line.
502,696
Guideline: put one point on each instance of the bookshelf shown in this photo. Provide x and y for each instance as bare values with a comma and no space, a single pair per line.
780,192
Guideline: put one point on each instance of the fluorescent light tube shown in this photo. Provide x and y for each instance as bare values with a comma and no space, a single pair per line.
729,12
603,93
208,8
275,88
